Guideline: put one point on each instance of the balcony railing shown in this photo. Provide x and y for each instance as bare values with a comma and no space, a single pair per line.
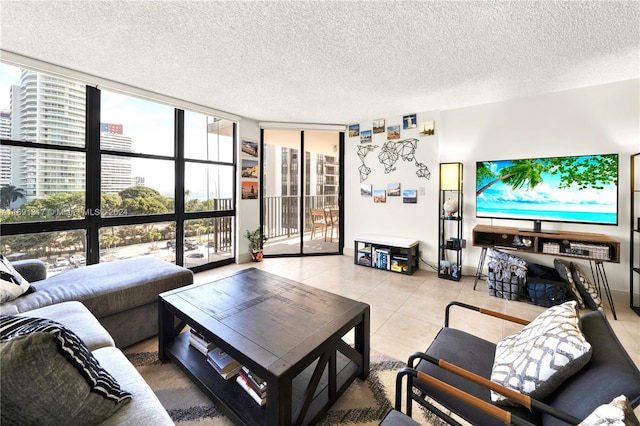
282,213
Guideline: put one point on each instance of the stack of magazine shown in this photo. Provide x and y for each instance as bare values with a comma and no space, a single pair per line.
223,363
199,342
253,385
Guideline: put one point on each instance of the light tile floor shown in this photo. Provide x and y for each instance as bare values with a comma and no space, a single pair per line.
408,311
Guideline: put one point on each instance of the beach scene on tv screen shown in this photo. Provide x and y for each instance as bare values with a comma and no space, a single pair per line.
569,189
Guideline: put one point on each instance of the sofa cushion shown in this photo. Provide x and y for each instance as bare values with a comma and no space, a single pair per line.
145,407
106,288
587,289
75,316
617,412
477,358
565,274
12,285
50,377
538,358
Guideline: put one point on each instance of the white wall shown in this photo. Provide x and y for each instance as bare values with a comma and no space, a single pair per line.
248,211
594,120
416,221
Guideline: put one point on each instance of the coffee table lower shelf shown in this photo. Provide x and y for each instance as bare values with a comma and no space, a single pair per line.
236,404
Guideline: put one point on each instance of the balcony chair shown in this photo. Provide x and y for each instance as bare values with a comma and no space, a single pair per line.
334,222
319,223
453,378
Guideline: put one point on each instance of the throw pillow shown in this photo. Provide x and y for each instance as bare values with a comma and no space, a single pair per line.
617,412
49,376
12,285
565,274
538,358
586,288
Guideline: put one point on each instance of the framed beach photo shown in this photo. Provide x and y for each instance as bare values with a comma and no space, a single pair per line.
409,196
250,168
249,189
365,136
354,130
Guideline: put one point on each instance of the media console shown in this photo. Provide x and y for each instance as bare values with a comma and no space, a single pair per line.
596,248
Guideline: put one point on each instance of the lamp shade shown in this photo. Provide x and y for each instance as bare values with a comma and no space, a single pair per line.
450,176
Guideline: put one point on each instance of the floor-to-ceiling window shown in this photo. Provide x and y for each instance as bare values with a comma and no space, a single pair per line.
92,175
301,191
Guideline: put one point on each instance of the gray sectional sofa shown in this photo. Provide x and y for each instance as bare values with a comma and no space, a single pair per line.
122,295
107,306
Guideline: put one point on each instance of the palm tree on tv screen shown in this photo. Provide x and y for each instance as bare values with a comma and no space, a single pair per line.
585,172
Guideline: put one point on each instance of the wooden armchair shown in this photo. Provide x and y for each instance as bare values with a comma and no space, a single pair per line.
454,373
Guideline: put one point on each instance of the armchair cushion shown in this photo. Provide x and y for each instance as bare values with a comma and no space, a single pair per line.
547,351
476,357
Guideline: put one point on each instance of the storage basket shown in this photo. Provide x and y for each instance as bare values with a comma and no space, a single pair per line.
510,287
544,286
507,275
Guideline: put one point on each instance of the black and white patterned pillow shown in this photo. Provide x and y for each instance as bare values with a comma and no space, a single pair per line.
618,412
12,285
587,289
565,274
547,351
71,387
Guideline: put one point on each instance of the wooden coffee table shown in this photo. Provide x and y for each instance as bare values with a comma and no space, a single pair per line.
288,333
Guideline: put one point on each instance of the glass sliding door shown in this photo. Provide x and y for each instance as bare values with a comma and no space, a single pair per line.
300,195
321,192
281,191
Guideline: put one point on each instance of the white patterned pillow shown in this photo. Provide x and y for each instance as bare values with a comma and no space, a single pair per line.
586,288
617,413
566,276
12,285
547,351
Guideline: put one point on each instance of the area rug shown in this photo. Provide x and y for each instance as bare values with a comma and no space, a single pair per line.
364,403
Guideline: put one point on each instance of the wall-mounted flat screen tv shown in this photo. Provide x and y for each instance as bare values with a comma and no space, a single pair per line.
578,189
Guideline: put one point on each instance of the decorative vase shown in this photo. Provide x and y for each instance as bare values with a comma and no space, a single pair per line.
256,255
450,206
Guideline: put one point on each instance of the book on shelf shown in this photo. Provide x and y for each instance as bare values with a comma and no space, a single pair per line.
198,341
384,261
244,384
259,385
223,363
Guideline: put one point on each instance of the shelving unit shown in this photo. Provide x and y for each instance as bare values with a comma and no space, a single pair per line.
634,240
596,248
388,253
450,241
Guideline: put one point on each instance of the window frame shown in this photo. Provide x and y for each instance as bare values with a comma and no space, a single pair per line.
92,223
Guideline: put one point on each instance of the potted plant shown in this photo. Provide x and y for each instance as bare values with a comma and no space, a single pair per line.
256,241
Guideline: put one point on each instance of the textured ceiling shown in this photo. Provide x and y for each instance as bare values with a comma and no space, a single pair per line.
333,62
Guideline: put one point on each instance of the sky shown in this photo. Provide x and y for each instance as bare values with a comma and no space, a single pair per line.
150,126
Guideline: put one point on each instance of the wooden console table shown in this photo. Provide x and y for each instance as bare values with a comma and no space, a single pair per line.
596,248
